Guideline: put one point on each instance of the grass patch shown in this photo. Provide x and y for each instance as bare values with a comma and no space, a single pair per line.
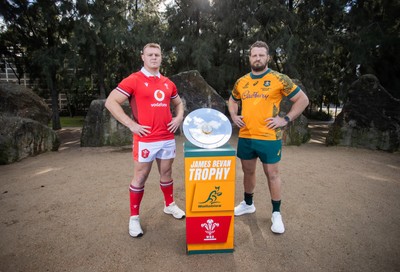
319,115
66,121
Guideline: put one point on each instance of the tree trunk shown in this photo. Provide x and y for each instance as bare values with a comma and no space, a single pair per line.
69,106
55,118
290,5
100,72
275,58
102,88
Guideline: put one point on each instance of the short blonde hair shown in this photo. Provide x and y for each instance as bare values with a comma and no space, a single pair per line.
153,45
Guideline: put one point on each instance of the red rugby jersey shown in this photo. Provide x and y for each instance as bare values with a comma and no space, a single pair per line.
150,97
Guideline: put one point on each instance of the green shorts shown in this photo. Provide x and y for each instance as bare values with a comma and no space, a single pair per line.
269,152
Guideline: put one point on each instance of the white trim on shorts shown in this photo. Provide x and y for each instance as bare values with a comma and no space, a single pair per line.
148,152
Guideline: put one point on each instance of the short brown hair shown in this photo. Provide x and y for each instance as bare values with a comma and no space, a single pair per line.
260,44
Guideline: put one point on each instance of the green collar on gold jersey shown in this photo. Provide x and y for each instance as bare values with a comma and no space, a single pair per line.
253,76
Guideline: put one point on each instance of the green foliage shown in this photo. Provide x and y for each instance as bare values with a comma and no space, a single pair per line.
76,121
334,136
84,48
374,40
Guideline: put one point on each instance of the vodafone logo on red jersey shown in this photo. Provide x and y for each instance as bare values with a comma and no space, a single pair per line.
159,95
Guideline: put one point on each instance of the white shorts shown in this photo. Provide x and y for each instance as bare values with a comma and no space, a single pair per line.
148,152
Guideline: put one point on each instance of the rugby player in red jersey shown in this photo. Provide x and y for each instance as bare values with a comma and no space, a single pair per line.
150,95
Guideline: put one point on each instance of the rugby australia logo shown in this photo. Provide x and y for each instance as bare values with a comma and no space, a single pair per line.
212,200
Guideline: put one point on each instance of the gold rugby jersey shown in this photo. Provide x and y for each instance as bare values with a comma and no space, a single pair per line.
261,96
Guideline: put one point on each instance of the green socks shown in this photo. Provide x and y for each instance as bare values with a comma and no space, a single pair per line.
248,198
276,205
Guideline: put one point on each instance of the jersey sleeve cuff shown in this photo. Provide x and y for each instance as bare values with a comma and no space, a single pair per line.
294,92
235,98
123,92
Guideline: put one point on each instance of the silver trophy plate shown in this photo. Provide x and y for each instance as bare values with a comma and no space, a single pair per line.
207,128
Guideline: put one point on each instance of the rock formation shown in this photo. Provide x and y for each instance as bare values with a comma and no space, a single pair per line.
196,93
297,132
102,129
370,118
24,119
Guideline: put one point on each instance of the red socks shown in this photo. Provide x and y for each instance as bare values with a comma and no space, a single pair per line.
136,195
167,187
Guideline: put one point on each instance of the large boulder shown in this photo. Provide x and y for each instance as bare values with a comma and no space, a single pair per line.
369,119
102,129
196,93
297,132
17,100
24,119
23,137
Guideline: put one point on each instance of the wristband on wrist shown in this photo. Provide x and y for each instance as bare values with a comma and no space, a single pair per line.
287,118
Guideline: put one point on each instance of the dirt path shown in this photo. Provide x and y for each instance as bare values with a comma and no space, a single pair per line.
68,211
